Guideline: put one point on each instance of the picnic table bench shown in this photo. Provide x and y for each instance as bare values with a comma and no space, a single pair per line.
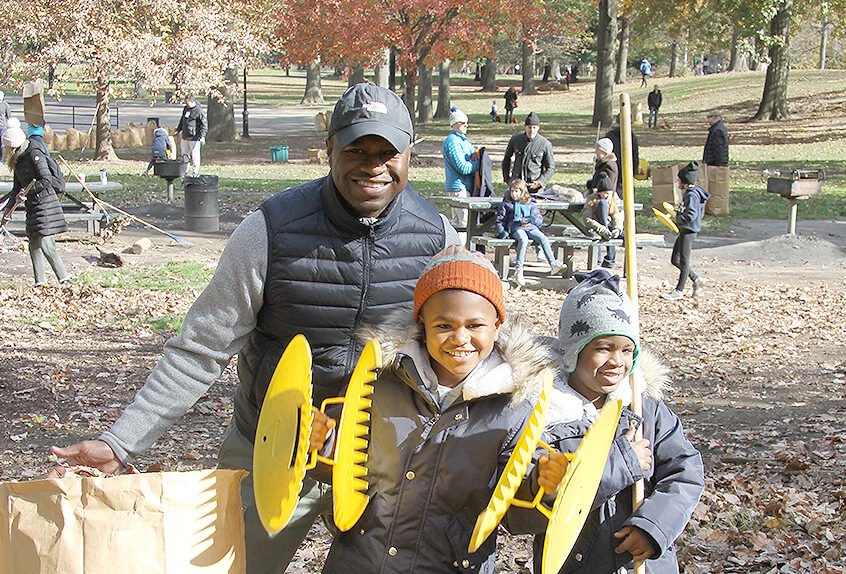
73,208
564,248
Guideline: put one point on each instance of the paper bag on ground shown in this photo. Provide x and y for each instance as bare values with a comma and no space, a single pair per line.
33,100
168,523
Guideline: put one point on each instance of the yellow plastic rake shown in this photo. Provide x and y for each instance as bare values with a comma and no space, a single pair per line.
578,489
515,469
280,456
668,217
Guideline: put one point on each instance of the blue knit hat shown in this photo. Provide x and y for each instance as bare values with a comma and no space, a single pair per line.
593,308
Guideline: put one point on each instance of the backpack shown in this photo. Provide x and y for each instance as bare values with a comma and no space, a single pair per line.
57,175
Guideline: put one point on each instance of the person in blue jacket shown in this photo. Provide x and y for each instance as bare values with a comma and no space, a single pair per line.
598,338
518,216
460,163
689,220
159,149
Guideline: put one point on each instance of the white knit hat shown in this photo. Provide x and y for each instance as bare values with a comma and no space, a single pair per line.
457,116
13,137
605,145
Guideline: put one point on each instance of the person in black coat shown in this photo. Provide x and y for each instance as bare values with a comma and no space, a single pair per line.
27,159
192,126
614,135
510,104
653,101
717,145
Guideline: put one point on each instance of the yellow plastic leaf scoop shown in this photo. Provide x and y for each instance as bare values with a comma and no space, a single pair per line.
281,447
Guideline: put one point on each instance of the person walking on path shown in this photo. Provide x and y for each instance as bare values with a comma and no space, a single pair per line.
533,159
460,163
192,126
653,101
321,259
716,150
645,72
689,221
510,104
27,160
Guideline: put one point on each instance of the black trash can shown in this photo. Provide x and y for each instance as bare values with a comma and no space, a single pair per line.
201,204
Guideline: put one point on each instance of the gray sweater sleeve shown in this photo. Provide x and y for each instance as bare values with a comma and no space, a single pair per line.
215,328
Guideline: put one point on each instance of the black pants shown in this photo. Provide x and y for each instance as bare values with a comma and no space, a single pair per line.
681,257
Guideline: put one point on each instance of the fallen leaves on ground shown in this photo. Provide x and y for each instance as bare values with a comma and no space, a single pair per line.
758,381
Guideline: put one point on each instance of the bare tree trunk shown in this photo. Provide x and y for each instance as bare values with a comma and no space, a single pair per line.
489,75
623,53
444,99
104,149
603,102
356,76
221,112
823,41
424,94
381,70
674,57
313,91
774,100
392,70
409,81
527,68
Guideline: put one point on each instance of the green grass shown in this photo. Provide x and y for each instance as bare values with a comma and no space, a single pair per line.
178,276
168,322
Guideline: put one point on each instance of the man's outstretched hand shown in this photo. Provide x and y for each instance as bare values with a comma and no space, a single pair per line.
93,453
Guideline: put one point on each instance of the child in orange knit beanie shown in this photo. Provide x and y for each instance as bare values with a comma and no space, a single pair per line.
459,384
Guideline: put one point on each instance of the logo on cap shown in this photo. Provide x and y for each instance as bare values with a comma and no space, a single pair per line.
377,107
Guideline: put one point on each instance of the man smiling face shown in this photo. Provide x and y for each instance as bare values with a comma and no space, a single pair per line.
368,172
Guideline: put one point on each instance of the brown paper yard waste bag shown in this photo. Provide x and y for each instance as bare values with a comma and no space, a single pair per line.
166,522
33,100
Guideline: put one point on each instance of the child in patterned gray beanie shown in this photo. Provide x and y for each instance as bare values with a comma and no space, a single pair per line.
593,308
598,333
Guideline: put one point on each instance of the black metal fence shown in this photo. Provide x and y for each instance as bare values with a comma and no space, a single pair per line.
61,116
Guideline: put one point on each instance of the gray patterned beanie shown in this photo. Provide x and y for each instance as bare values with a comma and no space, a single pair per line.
595,307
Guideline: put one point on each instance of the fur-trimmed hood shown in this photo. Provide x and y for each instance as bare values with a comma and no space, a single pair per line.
567,405
522,353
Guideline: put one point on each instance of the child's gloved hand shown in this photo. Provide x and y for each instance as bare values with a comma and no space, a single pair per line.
320,427
641,447
634,541
551,469
604,233
616,233
526,220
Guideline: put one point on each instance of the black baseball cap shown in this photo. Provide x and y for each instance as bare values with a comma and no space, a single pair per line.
367,109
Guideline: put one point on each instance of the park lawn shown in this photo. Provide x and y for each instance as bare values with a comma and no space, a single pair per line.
814,137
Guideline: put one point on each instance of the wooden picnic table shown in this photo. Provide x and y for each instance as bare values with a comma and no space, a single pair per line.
76,205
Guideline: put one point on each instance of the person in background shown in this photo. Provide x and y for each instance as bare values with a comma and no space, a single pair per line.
460,163
159,149
494,114
614,135
602,211
510,104
518,216
598,338
716,150
5,112
321,259
27,160
653,101
192,126
534,162
689,216
645,72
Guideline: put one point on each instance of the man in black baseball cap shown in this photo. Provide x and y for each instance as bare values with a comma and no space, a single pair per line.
320,258
369,146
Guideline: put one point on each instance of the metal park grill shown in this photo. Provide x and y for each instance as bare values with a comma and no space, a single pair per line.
169,169
802,184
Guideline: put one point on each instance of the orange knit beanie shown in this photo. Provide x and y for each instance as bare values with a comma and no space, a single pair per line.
457,268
